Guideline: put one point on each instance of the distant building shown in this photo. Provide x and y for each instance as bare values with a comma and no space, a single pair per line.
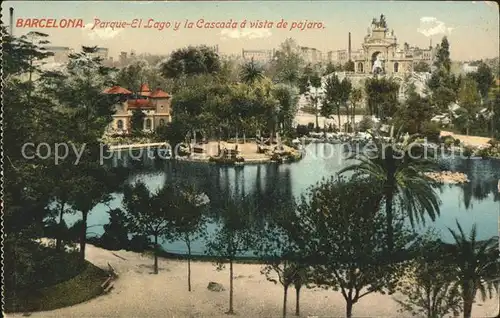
311,55
263,56
156,106
467,68
61,53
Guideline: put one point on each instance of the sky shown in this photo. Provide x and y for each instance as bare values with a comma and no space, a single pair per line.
472,27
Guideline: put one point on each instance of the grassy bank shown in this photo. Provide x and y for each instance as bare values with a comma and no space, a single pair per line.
78,289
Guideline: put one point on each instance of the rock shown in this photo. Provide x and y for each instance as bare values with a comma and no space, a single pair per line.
216,287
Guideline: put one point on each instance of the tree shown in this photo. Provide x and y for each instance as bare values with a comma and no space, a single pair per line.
343,230
134,75
188,221
251,72
233,238
288,99
429,285
382,97
484,80
137,119
414,113
422,67
282,258
115,235
398,171
477,265
355,98
469,99
149,214
336,95
288,62
442,60
330,68
349,66
190,61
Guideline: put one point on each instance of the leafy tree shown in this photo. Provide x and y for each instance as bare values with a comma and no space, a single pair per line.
355,99
349,66
477,265
429,285
330,68
469,99
422,67
188,221
366,123
288,62
336,95
415,112
134,75
192,60
149,214
382,97
115,235
233,238
282,258
251,72
287,97
442,60
344,232
309,84
137,119
398,171
484,80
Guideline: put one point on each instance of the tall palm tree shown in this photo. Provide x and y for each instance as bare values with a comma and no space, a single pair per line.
251,72
397,170
476,263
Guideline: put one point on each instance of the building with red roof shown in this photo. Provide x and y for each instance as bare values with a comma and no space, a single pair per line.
155,105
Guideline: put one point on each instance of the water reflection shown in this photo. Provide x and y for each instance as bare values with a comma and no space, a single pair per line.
272,188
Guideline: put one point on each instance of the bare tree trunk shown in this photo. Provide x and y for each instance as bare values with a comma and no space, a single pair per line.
188,243
230,311
83,235
156,255
285,296
297,301
59,234
348,310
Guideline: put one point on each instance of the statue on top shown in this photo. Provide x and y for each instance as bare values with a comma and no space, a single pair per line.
380,23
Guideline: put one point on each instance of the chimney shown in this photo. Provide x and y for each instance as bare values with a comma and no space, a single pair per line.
349,47
11,21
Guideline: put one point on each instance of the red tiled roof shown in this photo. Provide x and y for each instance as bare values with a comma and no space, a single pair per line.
144,88
139,103
158,93
117,90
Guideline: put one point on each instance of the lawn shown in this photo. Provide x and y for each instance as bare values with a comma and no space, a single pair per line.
78,289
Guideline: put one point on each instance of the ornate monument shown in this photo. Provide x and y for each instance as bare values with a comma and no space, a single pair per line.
381,54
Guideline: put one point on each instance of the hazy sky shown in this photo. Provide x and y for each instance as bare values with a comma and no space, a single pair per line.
472,27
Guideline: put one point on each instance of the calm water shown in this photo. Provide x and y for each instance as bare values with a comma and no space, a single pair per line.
272,185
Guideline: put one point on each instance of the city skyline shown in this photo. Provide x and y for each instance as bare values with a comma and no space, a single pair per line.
471,27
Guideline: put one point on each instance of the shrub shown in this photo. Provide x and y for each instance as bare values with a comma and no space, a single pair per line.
366,123
431,131
457,142
302,130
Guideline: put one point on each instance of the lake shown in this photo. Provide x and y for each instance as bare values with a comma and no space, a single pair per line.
271,185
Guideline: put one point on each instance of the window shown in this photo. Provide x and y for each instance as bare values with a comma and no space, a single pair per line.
360,67
148,124
162,122
396,67
119,124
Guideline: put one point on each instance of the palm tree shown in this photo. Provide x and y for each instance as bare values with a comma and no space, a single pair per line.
476,265
251,72
400,174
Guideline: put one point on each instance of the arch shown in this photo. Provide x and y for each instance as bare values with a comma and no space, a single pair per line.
119,124
396,67
377,63
148,123
375,56
360,67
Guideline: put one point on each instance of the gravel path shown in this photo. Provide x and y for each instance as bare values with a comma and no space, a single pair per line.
138,293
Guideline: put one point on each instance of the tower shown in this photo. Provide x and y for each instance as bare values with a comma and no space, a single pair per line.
349,47
11,21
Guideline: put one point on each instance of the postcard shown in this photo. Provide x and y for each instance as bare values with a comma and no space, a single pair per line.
251,158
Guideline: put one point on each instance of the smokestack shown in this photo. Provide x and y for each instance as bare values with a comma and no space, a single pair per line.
349,47
11,10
